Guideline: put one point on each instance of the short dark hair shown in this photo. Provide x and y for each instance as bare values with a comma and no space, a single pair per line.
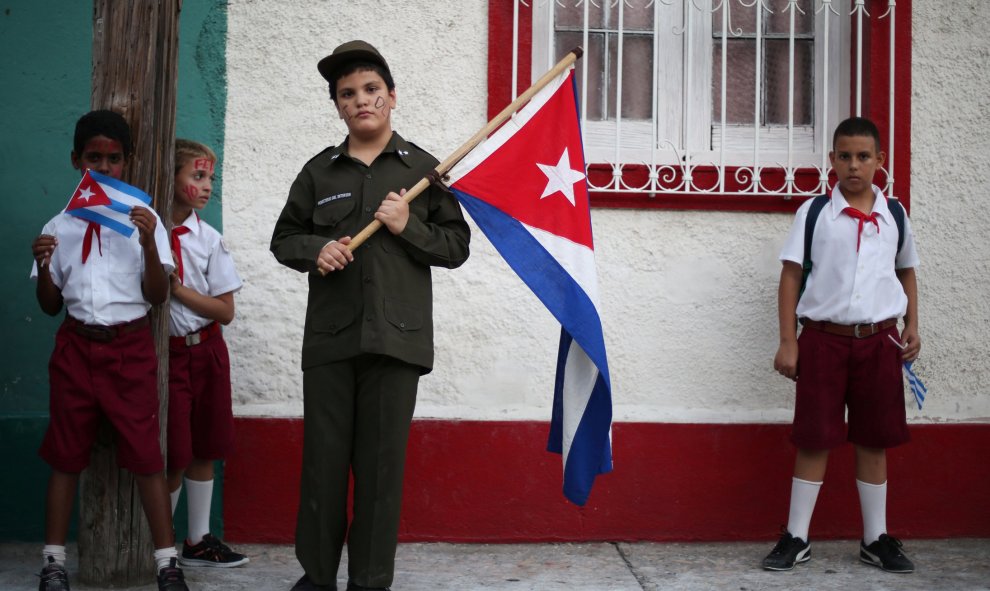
349,68
106,123
857,126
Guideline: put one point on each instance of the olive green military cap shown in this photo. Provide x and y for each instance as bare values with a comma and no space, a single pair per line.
356,50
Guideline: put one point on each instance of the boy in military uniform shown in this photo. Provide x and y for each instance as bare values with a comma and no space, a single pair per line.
369,319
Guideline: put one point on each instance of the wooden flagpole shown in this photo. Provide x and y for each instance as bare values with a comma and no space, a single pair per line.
455,157
135,48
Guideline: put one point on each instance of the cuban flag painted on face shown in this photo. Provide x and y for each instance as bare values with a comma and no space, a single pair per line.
525,187
106,201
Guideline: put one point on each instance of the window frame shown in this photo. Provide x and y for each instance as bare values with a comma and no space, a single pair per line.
506,32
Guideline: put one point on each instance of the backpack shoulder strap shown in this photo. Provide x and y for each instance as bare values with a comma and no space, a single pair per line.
897,211
817,204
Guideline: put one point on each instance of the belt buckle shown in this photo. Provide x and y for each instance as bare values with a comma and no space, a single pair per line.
193,339
870,327
100,334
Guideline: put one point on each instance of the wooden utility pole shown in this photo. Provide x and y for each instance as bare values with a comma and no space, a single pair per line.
135,44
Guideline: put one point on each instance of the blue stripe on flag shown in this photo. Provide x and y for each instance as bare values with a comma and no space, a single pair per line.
917,387
119,207
551,283
591,440
90,215
121,186
590,451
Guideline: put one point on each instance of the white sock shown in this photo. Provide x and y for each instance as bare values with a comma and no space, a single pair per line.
56,552
873,503
174,495
804,494
199,495
164,556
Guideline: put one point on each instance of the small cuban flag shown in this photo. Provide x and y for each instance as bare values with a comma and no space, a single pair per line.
106,201
917,387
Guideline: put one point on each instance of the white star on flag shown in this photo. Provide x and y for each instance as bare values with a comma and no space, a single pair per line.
85,194
560,178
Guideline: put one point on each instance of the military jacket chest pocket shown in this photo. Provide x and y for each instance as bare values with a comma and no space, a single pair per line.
330,211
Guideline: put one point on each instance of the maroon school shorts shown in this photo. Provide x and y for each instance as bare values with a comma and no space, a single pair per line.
200,419
90,379
836,372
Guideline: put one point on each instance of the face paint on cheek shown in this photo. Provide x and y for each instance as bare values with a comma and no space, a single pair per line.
345,112
190,191
204,164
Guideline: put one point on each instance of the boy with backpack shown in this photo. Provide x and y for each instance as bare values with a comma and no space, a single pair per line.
847,284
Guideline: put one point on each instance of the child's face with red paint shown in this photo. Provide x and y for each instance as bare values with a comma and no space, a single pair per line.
194,183
103,155
365,104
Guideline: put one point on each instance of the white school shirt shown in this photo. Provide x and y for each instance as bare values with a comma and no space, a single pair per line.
207,267
846,286
107,288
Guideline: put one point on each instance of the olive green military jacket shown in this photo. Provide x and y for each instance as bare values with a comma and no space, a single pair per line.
382,302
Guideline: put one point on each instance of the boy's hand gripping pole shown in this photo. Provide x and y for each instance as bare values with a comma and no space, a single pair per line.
456,156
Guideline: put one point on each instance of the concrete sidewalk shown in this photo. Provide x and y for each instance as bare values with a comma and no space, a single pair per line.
957,564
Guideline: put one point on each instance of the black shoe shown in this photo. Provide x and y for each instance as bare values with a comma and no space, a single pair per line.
53,577
788,552
355,587
210,551
886,554
171,578
305,584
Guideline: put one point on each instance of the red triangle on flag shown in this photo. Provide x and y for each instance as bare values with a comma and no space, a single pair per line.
537,175
88,194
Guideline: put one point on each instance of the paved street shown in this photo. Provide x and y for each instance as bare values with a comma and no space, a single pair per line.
958,565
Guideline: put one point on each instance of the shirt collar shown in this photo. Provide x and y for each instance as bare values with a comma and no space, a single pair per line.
337,151
395,145
400,147
838,203
192,222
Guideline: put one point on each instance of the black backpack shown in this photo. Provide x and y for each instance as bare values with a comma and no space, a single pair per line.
817,204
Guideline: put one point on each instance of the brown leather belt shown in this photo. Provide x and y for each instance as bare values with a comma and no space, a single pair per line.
859,331
103,333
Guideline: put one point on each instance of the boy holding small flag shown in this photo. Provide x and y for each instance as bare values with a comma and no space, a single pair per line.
106,259
849,353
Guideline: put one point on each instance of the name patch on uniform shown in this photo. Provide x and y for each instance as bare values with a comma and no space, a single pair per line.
326,200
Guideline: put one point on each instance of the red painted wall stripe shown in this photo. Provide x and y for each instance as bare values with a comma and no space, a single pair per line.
500,16
477,481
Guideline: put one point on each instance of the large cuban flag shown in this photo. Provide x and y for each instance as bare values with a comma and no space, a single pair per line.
106,201
525,187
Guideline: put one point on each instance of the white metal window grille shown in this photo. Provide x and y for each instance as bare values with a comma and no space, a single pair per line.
746,90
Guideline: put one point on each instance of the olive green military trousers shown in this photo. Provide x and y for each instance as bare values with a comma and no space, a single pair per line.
356,417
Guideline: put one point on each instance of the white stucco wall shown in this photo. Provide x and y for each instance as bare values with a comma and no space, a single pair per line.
688,298
950,142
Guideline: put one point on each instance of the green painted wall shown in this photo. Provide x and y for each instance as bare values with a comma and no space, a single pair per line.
45,71
202,94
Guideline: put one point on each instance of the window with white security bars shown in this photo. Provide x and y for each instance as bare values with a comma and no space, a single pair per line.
721,104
